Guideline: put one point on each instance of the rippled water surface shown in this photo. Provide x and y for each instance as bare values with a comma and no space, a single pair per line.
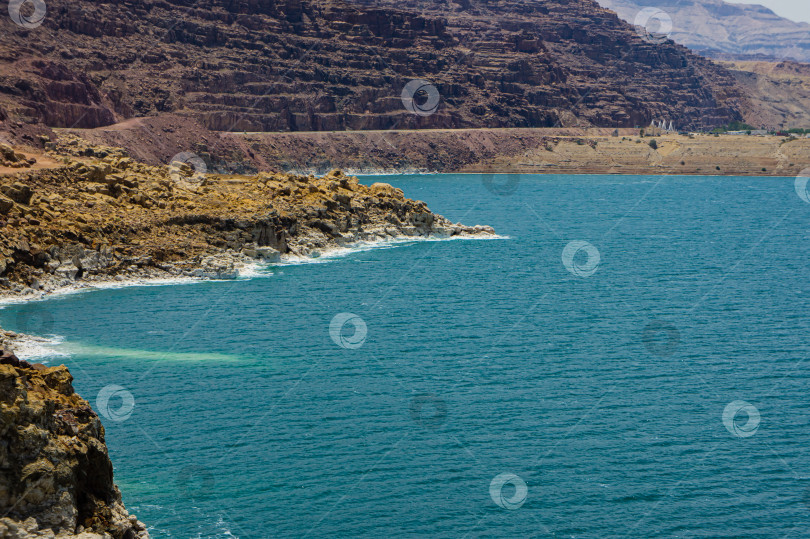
660,392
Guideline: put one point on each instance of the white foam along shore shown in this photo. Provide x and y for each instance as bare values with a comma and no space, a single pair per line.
32,347
245,268
367,172
41,346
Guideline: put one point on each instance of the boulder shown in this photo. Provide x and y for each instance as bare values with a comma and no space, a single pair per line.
379,189
10,158
93,261
5,204
7,152
268,254
18,192
67,271
217,267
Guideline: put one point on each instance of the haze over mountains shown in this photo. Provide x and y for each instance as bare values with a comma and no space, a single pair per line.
303,65
726,30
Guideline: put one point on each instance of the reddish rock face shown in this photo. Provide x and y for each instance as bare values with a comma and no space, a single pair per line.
304,65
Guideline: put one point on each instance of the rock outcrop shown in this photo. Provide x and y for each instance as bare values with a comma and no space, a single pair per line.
12,159
100,218
56,479
280,65
779,91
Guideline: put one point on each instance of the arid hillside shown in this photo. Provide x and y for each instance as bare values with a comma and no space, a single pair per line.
779,92
159,141
302,65
726,30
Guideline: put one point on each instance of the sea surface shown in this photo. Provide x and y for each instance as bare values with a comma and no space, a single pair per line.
629,359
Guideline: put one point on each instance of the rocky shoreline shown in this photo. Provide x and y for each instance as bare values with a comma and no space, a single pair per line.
228,265
107,219
57,478
100,218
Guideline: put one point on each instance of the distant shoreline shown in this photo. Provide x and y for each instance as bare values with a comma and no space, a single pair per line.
478,150
525,151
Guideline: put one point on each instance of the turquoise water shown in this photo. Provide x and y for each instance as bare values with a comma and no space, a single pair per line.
232,411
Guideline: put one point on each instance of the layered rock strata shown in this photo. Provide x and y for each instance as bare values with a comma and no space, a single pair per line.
280,65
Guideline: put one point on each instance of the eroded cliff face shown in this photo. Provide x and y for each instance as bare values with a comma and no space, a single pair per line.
780,92
56,479
103,215
727,30
304,65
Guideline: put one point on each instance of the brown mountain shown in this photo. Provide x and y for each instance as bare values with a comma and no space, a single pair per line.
779,92
265,65
726,30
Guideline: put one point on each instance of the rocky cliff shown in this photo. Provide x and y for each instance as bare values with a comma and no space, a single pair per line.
779,92
274,65
101,215
726,30
56,479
